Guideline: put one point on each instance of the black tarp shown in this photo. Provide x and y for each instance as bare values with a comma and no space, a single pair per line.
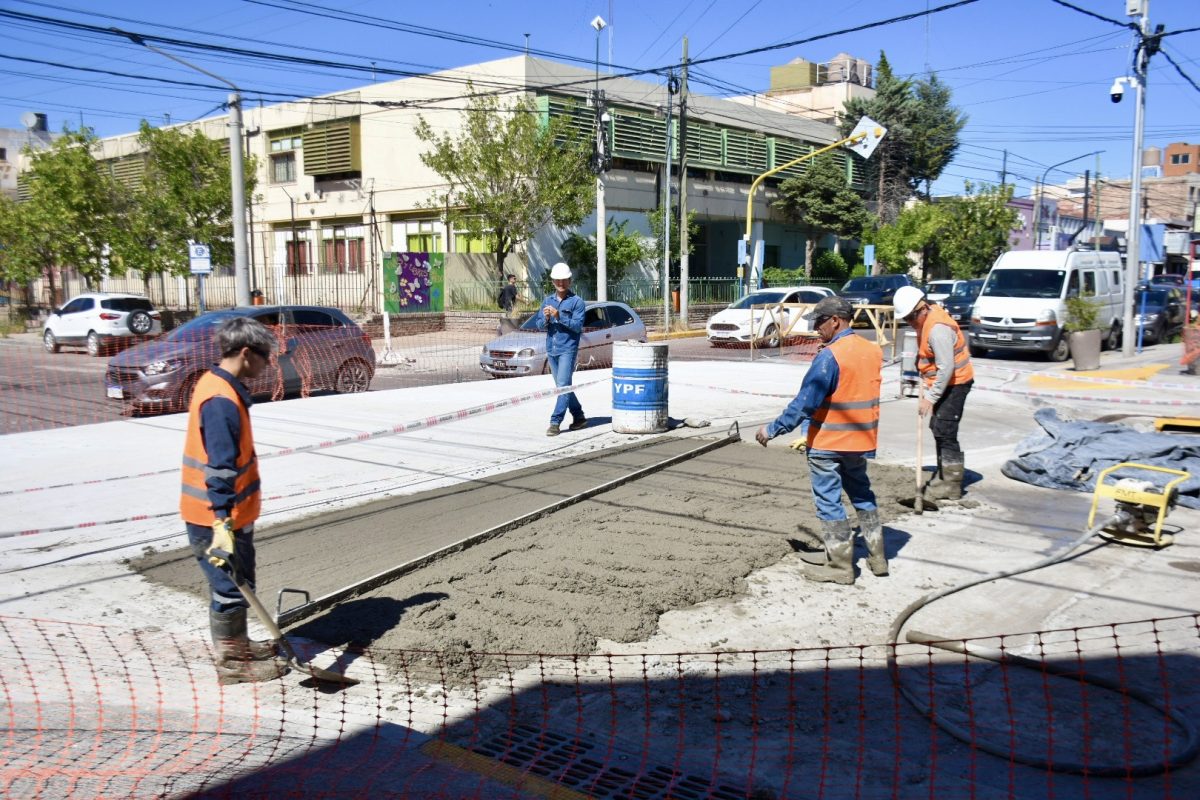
1072,454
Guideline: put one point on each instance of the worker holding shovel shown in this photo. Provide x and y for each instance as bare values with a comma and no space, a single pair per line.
839,401
944,364
220,496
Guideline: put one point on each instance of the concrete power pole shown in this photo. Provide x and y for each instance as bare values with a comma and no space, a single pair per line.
1133,237
684,273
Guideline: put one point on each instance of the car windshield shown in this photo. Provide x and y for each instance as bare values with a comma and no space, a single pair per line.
1045,283
937,287
199,329
758,299
530,324
969,289
861,285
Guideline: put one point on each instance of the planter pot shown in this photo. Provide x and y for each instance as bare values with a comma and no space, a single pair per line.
1085,349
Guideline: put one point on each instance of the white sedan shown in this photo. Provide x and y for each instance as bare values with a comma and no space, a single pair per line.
732,325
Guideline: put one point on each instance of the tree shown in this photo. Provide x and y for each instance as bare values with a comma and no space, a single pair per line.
822,201
509,173
185,195
68,219
914,230
622,249
888,170
978,228
933,134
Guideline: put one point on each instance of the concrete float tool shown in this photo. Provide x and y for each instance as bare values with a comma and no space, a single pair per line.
308,608
1140,507
277,636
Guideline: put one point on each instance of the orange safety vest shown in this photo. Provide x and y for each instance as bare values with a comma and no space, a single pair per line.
927,366
848,420
194,505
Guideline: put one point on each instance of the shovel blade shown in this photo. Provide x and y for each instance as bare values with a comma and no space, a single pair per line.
322,674
924,505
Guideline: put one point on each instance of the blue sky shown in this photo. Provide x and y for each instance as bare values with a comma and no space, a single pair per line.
1032,75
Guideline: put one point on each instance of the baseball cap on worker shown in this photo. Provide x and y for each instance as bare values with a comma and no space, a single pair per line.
560,272
830,307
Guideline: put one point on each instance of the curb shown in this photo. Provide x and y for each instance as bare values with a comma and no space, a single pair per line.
658,337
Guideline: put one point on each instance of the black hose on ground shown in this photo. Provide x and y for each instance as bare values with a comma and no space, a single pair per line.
1137,769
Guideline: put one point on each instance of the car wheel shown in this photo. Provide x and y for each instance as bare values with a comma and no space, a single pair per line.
978,352
771,337
1061,351
1160,332
95,347
352,377
50,342
140,322
1113,340
184,399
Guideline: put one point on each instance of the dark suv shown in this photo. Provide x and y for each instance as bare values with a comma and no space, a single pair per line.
873,290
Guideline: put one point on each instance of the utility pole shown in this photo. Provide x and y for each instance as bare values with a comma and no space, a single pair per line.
684,272
1133,243
599,158
1004,168
666,209
1087,196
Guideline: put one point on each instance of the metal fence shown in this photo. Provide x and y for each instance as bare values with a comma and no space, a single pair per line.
482,295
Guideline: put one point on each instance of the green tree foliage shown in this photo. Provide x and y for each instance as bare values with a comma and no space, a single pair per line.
933,136
67,220
887,171
658,231
922,136
184,196
978,228
622,249
964,235
509,173
822,201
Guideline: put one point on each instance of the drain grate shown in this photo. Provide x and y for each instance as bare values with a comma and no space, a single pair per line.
571,763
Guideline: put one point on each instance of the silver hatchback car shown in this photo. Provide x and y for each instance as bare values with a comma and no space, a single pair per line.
523,351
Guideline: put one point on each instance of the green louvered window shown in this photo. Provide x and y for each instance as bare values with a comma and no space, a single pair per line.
23,193
332,148
642,137
745,151
705,146
579,115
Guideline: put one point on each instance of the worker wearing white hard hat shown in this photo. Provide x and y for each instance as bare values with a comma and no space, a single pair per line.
944,363
561,318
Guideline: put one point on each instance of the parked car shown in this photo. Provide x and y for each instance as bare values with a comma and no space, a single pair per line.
873,290
1168,279
732,325
101,321
938,291
320,349
1159,312
958,305
523,351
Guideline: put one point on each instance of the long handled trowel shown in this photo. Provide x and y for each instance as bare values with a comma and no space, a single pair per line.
277,636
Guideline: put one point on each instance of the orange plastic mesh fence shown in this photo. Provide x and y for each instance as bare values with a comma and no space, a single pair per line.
95,711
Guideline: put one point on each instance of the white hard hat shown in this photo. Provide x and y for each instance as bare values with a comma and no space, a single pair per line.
560,272
906,299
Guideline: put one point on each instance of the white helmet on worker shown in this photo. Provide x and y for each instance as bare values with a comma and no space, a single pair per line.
905,300
560,272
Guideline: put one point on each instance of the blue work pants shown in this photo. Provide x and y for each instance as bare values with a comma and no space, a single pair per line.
223,592
831,473
562,367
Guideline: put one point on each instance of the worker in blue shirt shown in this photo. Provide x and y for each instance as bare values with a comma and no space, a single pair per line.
562,320
838,403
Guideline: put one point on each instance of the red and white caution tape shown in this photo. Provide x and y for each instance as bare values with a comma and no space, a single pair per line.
404,427
1147,401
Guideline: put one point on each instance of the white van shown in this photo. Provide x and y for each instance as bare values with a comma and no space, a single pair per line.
1021,305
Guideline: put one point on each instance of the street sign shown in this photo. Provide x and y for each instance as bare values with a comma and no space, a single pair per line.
743,257
872,132
199,258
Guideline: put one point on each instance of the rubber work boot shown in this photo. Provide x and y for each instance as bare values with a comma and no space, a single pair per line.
839,544
872,532
812,547
950,487
238,659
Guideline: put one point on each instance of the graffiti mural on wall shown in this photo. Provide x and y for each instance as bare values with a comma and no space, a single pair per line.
414,282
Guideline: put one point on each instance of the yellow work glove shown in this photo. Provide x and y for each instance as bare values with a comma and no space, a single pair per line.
222,540
800,445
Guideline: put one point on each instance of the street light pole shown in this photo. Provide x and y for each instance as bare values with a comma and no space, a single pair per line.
599,161
241,267
1037,210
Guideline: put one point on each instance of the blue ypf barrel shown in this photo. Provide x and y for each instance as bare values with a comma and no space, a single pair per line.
639,387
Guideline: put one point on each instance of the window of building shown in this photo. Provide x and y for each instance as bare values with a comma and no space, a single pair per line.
3,154
342,250
299,258
283,147
1181,158
283,168
465,243
423,237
